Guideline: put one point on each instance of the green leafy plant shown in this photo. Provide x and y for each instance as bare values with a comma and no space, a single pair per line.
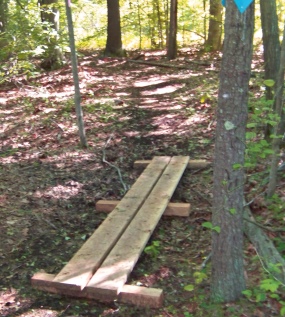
209,225
153,250
269,287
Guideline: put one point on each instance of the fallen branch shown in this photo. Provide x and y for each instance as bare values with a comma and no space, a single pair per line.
271,258
157,64
200,63
112,165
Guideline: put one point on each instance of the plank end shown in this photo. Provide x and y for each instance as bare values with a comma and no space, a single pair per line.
141,296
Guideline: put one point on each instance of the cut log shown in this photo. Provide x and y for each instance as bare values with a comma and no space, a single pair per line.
192,164
114,271
79,270
172,209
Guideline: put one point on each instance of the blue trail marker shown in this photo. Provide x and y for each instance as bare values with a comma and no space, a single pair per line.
241,4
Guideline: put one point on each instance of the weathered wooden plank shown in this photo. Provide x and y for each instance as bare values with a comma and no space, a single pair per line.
172,209
114,271
141,296
192,164
130,294
78,271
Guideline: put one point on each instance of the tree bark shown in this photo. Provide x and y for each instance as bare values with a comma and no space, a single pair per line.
214,39
228,280
114,36
172,42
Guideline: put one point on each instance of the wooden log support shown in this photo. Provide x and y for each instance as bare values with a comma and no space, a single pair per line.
172,209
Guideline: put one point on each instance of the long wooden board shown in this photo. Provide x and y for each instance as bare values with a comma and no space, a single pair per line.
172,209
79,270
192,164
114,271
130,294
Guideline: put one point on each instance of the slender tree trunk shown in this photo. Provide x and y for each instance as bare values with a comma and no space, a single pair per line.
205,21
78,108
279,128
140,24
3,22
214,39
228,280
172,42
114,36
271,43
159,22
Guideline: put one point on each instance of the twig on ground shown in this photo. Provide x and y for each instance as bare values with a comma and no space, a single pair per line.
203,265
112,165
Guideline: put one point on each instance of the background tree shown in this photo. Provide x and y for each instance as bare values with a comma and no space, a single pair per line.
271,43
214,38
50,18
279,128
78,108
227,246
3,21
172,43
114,36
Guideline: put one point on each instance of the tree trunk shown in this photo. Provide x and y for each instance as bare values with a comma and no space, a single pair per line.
114,36
159,23
227,246
79,113
50,14
279,128
3,22
271,43
214,39
172,43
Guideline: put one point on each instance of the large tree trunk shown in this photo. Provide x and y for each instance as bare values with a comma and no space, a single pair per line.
214,39
172,43
227,246
114,36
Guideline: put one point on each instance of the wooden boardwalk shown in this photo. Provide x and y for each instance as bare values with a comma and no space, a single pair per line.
101,267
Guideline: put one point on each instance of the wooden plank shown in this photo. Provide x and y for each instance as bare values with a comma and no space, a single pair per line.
192,164
130,294
141,296
172,209
78,271
114,271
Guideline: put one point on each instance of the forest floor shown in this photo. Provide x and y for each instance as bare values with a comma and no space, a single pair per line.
49,185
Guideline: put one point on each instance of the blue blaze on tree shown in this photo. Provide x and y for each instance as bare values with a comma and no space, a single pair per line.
242,5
